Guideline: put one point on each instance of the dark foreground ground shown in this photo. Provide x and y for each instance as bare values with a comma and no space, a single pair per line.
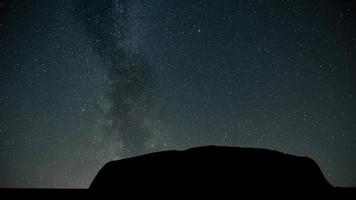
210,170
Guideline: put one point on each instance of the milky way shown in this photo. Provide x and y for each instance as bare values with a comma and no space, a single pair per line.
130,82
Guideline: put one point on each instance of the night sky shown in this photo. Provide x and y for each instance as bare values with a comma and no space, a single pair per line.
85,82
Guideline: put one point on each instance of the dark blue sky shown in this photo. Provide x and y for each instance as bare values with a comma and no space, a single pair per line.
84,82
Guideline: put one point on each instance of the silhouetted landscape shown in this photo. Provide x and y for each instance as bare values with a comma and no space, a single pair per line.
205,170
212,168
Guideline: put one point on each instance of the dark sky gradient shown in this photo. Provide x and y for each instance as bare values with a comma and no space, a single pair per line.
84,82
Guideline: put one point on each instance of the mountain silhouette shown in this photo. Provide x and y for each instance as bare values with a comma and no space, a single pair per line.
211,168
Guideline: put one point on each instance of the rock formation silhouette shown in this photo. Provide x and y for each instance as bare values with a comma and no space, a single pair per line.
212,168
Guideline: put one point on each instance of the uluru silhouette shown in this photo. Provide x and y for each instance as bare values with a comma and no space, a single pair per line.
212,168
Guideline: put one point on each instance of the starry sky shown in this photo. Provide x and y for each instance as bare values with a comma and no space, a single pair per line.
83,82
